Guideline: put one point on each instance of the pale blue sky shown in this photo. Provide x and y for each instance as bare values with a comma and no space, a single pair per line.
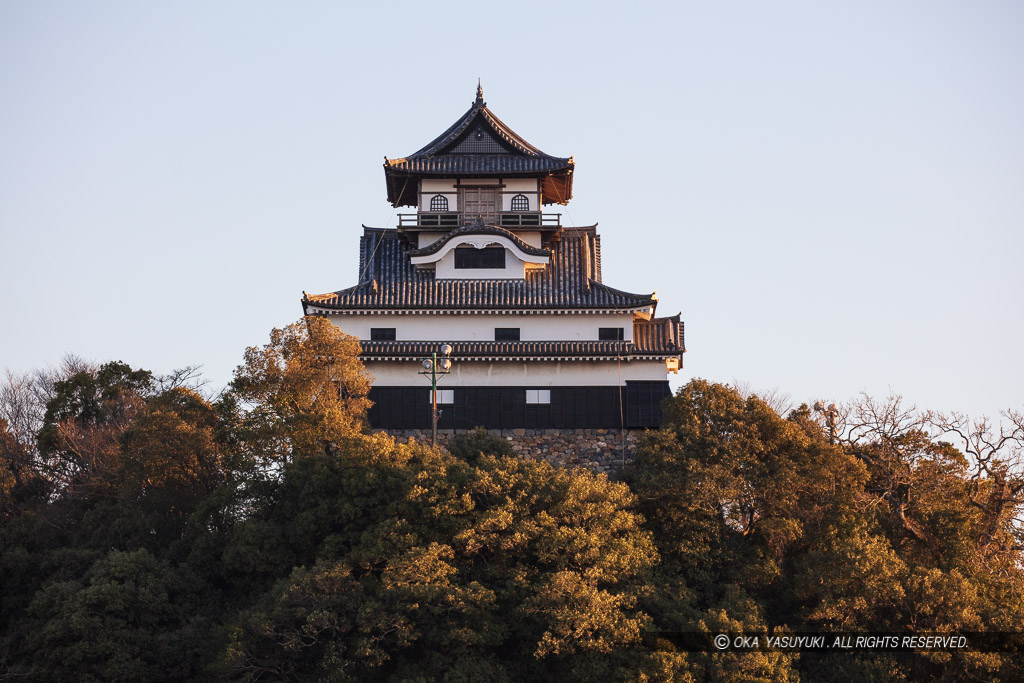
831,193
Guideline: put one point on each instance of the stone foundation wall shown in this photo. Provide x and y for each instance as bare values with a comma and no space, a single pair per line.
601,450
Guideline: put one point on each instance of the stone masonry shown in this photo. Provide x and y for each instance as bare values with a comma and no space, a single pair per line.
600,450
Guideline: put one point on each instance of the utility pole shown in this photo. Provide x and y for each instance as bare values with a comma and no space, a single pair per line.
434,367
830,413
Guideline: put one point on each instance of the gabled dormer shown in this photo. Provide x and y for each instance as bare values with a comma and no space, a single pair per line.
479,170
479,252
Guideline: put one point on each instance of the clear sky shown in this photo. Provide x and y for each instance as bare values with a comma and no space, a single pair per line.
831,193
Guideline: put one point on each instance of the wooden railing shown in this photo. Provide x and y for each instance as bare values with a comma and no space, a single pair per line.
505,219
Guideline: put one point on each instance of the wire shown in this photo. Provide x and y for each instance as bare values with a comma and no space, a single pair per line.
377,244
369,261
622,419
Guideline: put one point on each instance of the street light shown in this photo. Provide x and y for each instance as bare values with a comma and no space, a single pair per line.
434,366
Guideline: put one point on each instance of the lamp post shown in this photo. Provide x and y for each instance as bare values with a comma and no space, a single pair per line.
435,366
831,414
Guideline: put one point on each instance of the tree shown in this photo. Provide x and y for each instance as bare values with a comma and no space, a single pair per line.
416,564
303,392
996,486
729,483
472,445
170,464
127,619
23,396
79,437
873,534
16,473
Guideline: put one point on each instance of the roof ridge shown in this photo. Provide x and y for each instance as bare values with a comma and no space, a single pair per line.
478,229
510,135
451,136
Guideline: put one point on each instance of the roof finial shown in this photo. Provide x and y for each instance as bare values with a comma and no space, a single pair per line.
479,95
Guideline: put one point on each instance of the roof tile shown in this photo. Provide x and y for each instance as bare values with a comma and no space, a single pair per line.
388,281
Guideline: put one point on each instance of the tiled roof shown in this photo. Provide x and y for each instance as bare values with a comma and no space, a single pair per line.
659,334
449,140
478,164
478,144
655,338
388,281
479,229
494,350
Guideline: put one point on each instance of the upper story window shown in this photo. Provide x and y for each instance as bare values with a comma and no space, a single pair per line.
488,257
610,333
438,203
382,334
506,334
520,203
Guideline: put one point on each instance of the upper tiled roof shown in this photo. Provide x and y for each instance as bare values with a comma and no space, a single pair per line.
479,229
388,281
534,350
478,144
480,165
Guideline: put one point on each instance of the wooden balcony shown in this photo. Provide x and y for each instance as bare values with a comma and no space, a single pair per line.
507,219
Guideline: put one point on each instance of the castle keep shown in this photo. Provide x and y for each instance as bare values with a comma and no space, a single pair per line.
538,340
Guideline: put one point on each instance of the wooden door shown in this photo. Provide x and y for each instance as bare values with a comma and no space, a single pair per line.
482,202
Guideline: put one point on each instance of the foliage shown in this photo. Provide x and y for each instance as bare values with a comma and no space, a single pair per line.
503,569
878,533
471,445
122,621
302,392
149,533
78,441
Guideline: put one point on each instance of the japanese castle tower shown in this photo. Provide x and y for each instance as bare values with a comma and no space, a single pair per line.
538,340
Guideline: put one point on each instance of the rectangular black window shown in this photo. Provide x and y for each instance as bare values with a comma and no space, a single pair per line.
382,334
506,334
489,257
610,333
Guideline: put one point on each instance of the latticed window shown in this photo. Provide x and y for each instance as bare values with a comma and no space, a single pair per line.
520,203
438,203
489,257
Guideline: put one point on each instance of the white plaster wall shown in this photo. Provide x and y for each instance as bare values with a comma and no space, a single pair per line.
521,373
480,327
453,202
511,186
531,238
514,186
436,185
446,187
521,184
426,238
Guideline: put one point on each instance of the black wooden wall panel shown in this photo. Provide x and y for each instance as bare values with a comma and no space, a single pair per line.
506,407
643,403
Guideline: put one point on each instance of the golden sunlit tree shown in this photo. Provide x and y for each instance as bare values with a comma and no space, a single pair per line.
303,392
